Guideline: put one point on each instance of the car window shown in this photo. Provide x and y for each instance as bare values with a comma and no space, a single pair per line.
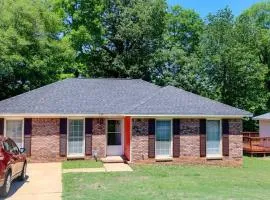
15,148
7,146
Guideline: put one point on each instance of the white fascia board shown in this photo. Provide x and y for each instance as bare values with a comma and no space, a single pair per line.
51,115
260,118
191,116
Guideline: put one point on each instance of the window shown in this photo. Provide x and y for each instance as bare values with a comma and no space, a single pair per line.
14,130
114,132
213,138
75,136
163,138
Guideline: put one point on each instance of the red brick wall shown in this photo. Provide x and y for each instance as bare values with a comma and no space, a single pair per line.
139,139
235,138
190,137
99,138
45,140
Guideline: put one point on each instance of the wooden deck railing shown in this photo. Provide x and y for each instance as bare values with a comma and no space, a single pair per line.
254,145
250,134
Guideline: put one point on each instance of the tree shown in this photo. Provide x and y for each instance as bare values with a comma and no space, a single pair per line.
115,38
177,62
32,53
234,72
255,24
184,28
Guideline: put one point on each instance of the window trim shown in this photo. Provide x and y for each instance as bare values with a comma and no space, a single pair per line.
220,155
14,119
78,155
171,149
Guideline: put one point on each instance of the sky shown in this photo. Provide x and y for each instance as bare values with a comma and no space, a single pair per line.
203,7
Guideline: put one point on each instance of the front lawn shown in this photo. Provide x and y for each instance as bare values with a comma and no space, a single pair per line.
152,182
72,164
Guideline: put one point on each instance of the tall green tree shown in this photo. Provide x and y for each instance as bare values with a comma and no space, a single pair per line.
31,51
255,26
177,62
115,38
235,74
184,28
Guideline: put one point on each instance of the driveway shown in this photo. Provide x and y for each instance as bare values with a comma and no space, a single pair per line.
44,182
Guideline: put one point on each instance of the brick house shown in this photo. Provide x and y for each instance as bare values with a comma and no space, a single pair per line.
80,118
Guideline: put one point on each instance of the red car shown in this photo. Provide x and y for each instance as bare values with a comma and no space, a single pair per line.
12,164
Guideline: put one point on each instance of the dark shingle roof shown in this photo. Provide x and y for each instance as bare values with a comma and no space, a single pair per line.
113,96
178,101
265,116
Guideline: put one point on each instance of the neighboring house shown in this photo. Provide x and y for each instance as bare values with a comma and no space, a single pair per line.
77,118
264,124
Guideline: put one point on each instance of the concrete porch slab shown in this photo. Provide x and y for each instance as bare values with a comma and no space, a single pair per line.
113,159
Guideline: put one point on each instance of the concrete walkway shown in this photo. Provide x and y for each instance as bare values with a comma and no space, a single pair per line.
84,170
107,167
44,182
117,167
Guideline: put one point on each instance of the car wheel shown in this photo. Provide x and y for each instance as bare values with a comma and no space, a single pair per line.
6,187
23,174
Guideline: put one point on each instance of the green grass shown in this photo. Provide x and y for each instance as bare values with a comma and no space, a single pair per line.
148,182
72,164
